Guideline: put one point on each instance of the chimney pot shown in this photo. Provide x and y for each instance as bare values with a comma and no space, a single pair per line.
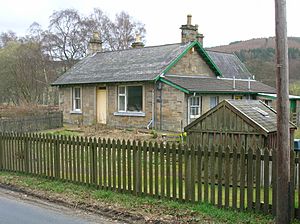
190,33
189,19
138,42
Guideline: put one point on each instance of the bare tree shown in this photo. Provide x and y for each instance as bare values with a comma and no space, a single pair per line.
6,37
63,40
29,64
102,24
124,30
25,73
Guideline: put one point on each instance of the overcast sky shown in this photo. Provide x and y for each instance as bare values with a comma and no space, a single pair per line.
221,21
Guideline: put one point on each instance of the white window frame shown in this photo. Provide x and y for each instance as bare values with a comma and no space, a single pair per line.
122,95
192,116
76,110
126,96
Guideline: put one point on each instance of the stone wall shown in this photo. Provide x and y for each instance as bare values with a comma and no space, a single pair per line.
129,120
192,64
88,113
32,123
171,107
174,109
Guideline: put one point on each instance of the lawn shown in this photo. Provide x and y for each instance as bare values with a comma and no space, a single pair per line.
149,208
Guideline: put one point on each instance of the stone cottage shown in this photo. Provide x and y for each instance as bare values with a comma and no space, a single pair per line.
163,87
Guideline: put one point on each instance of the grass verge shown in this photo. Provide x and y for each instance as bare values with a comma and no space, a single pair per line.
149,208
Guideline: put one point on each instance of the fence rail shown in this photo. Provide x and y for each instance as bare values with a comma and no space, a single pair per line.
226,177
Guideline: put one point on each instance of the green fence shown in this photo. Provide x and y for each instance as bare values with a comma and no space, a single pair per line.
226,177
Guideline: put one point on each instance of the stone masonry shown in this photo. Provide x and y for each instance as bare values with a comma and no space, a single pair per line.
129,120
88,113
192,64
174,113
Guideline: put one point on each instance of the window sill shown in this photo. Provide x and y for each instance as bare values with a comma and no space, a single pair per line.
75,112
130,114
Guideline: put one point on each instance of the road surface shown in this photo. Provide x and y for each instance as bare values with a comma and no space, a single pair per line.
17,208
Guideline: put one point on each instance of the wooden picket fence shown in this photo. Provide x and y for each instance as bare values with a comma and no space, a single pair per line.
226,177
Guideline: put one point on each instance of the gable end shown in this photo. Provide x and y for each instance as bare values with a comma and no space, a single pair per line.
202,53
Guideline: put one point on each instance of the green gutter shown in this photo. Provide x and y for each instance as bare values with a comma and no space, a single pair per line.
174,85
220,92
268,97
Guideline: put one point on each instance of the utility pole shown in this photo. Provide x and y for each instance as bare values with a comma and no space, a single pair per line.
283,112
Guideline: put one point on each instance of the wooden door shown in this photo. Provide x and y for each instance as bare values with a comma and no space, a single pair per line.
101,105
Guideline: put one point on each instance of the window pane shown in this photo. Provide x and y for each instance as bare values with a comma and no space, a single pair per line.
77,104
134,98
195,107
193,111
121,103
77,92
213,101
195,101
122,90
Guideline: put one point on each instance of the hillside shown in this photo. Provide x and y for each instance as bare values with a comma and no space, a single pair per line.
259,55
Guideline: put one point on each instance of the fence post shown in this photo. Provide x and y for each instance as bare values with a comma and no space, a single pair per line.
95,174
187,163
26,158
56,157
139,169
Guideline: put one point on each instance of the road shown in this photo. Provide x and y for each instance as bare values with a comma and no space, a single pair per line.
17,208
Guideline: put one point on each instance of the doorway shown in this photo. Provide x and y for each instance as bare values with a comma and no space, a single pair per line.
101,105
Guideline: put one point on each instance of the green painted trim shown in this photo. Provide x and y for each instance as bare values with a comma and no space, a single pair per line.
268,97
209,60
215,92
174,85
178,58
291,97
157,78
204,55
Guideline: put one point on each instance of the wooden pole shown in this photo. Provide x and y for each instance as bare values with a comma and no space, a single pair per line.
283,135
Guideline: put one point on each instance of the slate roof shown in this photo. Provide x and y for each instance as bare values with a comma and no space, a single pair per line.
255,110
230,65
203,85
248,108
142,64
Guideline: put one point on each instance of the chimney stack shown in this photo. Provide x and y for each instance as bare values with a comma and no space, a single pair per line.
95,44
138,42
190,33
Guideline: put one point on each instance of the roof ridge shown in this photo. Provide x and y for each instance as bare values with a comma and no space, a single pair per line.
216,51
130,49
